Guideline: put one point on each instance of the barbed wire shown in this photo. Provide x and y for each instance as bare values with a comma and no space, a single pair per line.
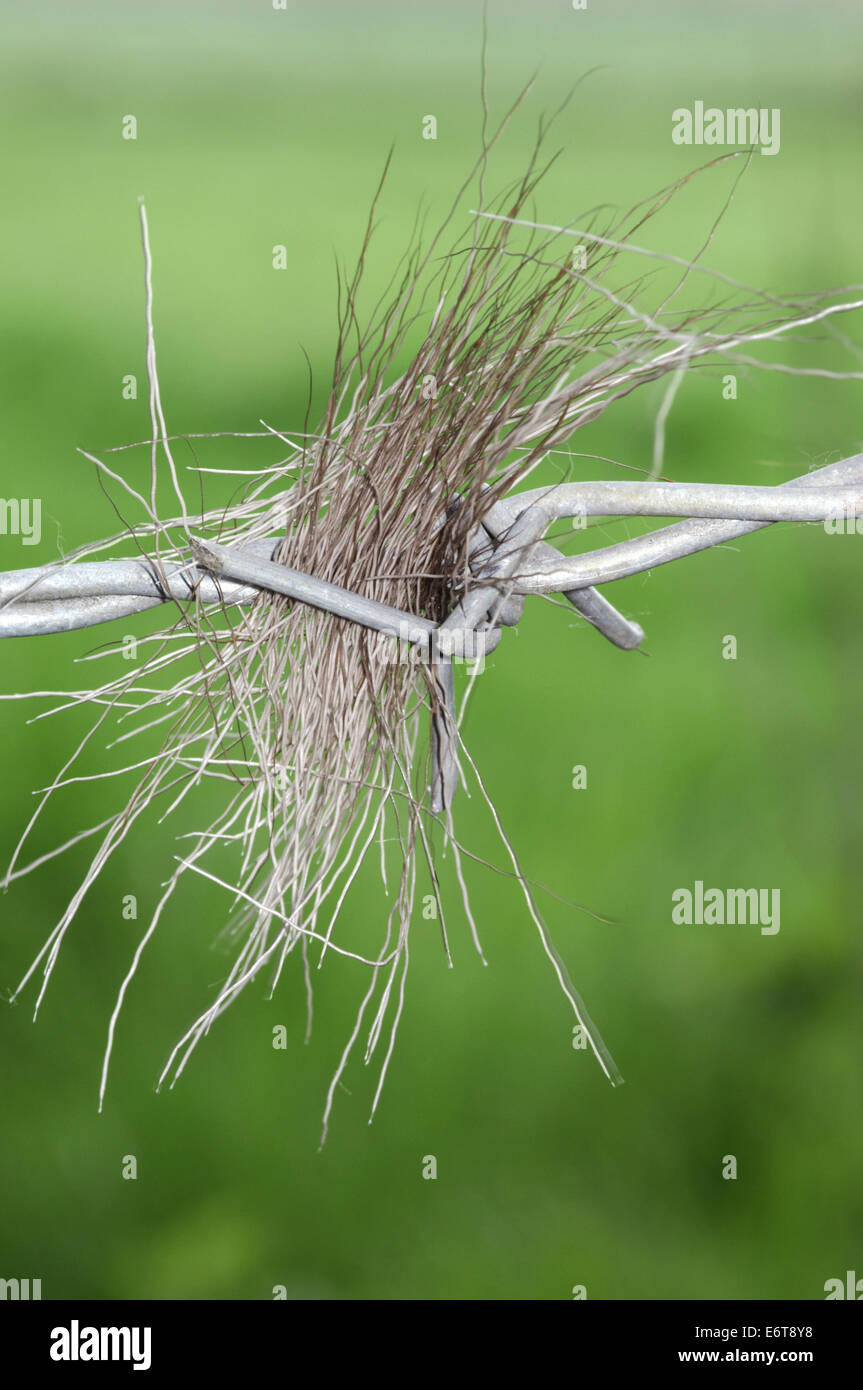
508,560
507,550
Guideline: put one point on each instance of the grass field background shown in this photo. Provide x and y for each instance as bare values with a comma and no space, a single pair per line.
258,127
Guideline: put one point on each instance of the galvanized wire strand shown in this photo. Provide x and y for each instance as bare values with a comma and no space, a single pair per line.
65,597
539,573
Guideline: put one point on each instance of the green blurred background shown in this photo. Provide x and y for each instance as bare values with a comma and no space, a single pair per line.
258,127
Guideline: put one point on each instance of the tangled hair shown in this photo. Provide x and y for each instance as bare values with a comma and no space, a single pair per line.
308,732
